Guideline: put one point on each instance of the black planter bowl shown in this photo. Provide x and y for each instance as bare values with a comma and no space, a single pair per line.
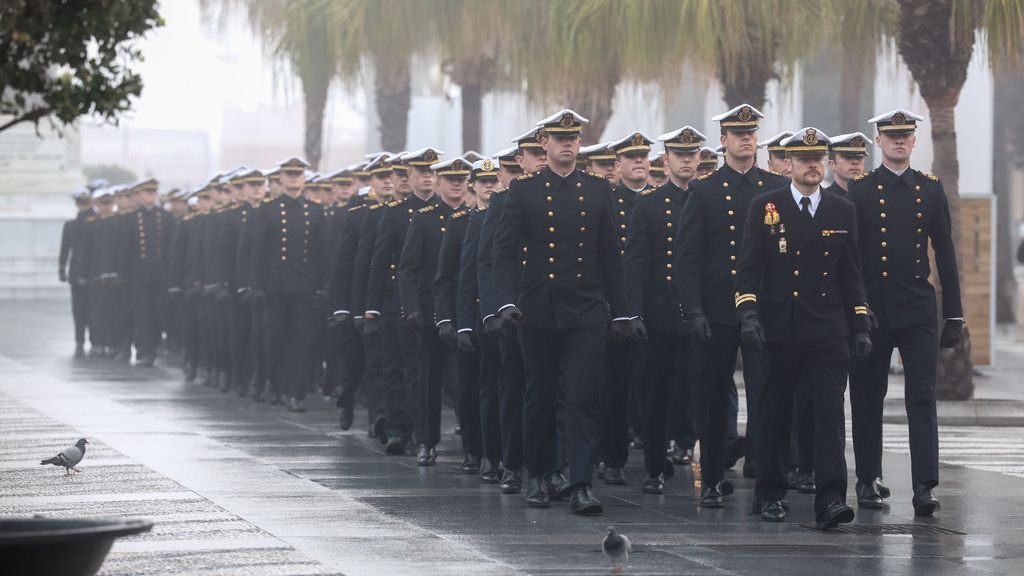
60,547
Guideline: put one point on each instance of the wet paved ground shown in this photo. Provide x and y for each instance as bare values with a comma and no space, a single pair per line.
240,488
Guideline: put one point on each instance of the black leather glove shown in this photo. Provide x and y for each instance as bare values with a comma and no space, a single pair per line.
509,318
465,342
370,327
861,345
446,332
414,319
621,330
62,276
700,327
337,319
952,332
751,332
492,325
872,319
637,329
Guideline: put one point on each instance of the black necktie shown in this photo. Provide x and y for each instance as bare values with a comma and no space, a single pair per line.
805,208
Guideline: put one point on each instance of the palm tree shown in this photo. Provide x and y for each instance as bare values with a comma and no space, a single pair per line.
936,40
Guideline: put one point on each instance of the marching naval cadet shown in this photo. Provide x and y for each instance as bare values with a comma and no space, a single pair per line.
73,265
800,297
124,199
653,303
846,157
561,304
530,157
287,254
601,160
185,280
106,276
708,162
778,161
707,246
624,360
417,267
383,315
508,168
486,179
235,247
149,248
899,211
657,176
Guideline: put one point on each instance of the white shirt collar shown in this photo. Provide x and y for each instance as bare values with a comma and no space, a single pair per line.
896,172
815,198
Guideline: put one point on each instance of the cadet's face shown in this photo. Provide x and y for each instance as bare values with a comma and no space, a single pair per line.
657,178
343,192
561,150
275,186
238,192
808,170
505,176
532,159
401,180
682,165
703,171
779,163
147,197
422,179
104,207
740,145
205,202
607,169
292,181
896,147
484,188
453,190
847,167
253,191
634,167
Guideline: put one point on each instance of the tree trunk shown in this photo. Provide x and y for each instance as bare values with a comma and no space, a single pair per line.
472,115
314,90
745,89
595,102
1009,88
393,95
938,63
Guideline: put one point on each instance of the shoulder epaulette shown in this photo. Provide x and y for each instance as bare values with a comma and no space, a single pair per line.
354,208
393,203
708,175
426,209
90,218
773,172
376,206
861,176
647,191
459,214
315,201
524,177
929,176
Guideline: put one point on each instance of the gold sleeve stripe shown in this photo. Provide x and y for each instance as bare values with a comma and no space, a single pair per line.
743,299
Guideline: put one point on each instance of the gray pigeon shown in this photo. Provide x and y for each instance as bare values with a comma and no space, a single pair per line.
616,547
69,457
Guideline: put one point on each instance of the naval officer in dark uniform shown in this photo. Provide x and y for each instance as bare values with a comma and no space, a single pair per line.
73,265
709,234
561,303
900,210
800,297
846,156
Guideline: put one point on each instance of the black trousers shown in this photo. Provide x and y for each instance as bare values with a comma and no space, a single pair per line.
146,297
318,354
258,346
715,382
190,339
80,307
819,368
624,370
801,444
241,338
918,346
433,358
566,363
490,399
663,377
346,363
511,386
467,402
105,299
289,341
392,354
682,412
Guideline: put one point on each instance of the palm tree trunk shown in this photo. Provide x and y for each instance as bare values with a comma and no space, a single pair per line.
472,115
393,95
595,101
314,90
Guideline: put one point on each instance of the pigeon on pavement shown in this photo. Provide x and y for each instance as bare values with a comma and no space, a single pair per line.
69,457
616,547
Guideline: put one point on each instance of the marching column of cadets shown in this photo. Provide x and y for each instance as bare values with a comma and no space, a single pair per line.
569,303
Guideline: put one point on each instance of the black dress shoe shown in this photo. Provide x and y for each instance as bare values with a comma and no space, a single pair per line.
425,456
601,469
838,513
536,497
755,505
773,511
511,482
883,490
805,483
556,486
297,405
734,450
346,418
395,447
711,497
637,443
470,464
682,457
584,502
654,486
489,474
868,496
925,503
614,476
379,429
792,477
750,469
